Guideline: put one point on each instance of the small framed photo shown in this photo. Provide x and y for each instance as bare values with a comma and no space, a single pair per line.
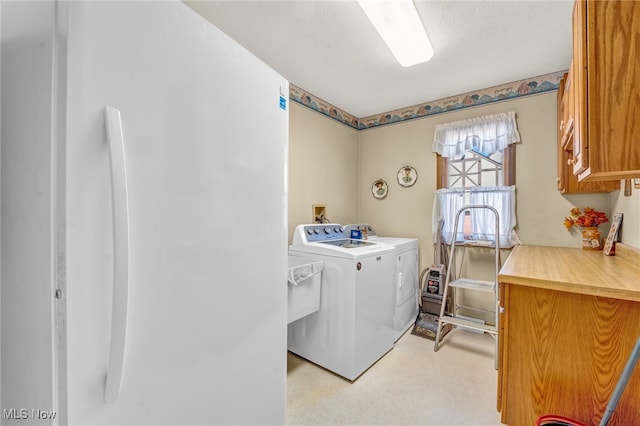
379,189
609,244
407,176
636,183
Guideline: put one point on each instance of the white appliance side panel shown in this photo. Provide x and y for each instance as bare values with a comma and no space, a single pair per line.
205,149
374,309
27,372
327,337
407,290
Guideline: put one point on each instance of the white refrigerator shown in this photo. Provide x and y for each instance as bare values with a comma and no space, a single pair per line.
144,228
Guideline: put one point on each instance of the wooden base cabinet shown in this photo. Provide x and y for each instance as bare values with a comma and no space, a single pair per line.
562,353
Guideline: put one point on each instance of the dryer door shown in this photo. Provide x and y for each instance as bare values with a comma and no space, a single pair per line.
406,291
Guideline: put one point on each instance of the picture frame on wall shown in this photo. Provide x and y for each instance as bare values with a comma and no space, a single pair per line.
379,189
610,243
407,176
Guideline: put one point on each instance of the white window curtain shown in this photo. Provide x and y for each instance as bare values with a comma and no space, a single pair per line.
485,135
447,202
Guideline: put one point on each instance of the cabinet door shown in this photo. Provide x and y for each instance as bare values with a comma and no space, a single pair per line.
562,178
567,182
563,353
580,136
567,109
613,89
607,90
503,322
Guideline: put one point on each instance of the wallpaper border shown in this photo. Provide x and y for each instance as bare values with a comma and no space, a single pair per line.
516,89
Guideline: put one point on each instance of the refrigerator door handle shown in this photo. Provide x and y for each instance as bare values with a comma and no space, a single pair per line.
120,253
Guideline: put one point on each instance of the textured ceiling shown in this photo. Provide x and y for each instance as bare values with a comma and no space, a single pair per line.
330,49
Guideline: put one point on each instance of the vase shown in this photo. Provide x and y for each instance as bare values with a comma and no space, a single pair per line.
591,238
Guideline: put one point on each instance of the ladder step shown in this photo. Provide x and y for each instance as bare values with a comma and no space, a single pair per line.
469,324
480,285
479,243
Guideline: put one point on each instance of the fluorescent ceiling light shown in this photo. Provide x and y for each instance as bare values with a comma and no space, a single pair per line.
399,25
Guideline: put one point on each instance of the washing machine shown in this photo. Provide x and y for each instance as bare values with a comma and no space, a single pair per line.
354,326
406,280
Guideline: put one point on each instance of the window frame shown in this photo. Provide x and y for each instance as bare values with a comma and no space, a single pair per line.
508,168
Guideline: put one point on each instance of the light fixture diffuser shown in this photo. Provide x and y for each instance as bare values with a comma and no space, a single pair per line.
399,25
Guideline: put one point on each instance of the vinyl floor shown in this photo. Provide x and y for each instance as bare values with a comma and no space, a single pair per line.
410,385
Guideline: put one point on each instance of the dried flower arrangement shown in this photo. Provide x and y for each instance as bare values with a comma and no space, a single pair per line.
585,218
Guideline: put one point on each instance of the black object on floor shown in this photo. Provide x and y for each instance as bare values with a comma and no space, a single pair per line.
426,326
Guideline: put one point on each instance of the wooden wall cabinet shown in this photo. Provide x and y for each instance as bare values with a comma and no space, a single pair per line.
565,108
567,182
606,82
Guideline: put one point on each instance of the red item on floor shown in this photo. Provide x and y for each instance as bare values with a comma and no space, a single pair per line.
553,420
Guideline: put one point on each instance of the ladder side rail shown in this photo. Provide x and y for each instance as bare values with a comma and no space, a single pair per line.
497,286
445,292
450,263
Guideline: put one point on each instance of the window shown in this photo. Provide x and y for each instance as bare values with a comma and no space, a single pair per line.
475,169
476,166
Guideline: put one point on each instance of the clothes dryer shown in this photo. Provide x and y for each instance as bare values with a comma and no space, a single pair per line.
406,279
354,326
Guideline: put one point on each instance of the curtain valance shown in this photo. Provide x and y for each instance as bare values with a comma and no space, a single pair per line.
485,135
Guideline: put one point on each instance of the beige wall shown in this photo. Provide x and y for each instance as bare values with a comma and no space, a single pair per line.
407,211
630,208
335,165
323,167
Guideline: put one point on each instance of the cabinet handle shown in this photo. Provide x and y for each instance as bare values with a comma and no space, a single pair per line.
561,124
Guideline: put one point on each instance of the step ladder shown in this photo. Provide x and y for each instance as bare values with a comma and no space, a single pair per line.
469,284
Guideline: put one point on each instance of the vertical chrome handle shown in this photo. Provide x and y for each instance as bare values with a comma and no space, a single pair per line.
120,253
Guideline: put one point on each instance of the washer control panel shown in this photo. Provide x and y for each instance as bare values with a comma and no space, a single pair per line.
319,233
324,232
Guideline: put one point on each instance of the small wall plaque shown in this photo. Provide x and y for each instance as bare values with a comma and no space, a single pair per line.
407,176
379,189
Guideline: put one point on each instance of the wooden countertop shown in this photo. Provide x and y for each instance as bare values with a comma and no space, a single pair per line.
575,270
